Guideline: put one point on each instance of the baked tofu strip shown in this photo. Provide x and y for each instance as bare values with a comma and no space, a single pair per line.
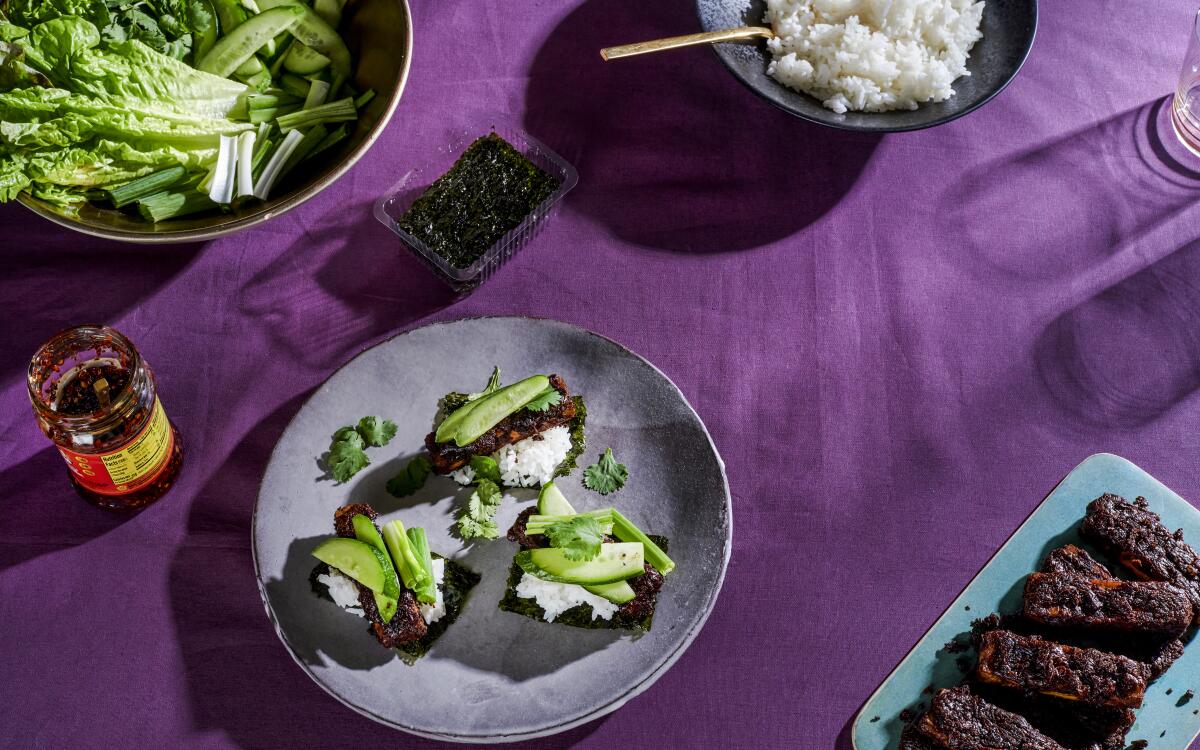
1136,536
1107,604
1073,560
1087,675
958,719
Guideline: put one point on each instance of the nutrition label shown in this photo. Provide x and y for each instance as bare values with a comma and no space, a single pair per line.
129,468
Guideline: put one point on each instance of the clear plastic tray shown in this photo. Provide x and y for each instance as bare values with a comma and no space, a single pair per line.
398,200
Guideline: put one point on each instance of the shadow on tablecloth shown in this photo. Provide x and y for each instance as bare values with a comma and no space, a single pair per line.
673,153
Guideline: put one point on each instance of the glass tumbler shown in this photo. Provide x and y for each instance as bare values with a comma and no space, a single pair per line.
1185,109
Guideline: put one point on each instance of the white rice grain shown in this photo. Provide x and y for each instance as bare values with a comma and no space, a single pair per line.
527,463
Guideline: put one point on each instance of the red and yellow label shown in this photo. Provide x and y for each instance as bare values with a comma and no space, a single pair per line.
129,469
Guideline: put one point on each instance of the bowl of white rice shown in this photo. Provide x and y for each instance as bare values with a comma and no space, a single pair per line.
876,65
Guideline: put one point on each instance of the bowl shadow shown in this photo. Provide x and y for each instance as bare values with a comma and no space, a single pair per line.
672,154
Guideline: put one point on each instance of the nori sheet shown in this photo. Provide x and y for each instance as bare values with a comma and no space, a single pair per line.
579,616
456,584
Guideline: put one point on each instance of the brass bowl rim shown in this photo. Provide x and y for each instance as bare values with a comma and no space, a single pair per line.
254,219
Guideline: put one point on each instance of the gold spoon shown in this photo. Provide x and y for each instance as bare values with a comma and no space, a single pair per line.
657,45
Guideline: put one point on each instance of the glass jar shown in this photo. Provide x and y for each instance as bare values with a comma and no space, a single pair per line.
94,397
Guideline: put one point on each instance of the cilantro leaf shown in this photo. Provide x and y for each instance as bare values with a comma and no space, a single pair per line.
346,456
606,475
544,400
477,520
376,433
492,386
485,467
411,478
579,539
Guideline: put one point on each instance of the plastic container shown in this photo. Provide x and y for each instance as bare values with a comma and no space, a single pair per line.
398,200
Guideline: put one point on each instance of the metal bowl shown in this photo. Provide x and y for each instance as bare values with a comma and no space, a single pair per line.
1008,26
379,35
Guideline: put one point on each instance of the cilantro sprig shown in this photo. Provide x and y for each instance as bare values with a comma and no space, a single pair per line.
579,538
347,451
545,400
606,475
478,519
493,385
411,478
485,467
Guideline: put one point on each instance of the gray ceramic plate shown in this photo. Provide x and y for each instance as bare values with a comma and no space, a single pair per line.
1008,27
494,676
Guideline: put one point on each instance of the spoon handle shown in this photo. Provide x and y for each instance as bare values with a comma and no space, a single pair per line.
708,37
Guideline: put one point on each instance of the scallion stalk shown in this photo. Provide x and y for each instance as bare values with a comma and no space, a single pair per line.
366,97
171,205
335,137
262,188
538,524
420,545
245,164
316,94
221,190
624,530
314,136
341,110
131,192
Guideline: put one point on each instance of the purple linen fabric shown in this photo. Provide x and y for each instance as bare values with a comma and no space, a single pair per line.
900,344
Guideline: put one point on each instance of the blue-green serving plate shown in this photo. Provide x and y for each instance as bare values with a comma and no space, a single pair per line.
1168,719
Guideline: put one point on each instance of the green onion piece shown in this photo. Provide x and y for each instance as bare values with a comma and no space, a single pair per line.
367,96
624,530
317,93
281,55
335,137
341,110
261,157
420,545
171,205
132,192
310,140
262,186
412,572
295,85
538,524
245,164
269,101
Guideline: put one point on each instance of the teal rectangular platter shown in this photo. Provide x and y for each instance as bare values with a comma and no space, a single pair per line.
1167,720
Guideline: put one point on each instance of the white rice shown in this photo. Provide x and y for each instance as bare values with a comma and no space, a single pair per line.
528,463
433,612
556,598
872,55
344,592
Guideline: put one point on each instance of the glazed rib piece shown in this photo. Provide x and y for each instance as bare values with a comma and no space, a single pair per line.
1137,537
407,624
961,720
1072,560
1106,604
448,457
911,739
1073,725
1086,675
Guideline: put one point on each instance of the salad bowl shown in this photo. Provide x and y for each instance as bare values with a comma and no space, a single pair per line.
379,36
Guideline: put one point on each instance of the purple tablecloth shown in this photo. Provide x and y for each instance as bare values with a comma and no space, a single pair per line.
900,344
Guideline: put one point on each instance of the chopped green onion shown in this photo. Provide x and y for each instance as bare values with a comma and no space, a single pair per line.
538,524
316,94
221,190
335,137
341,110
131,192
305,147
411,571
171,205
245,164
420,545
294,85
366,97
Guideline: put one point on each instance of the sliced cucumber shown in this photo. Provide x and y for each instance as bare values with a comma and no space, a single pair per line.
356,559
303,60
230,52
252,66
616,562
315,33
230,13
552,502
617,593
330,11
294,85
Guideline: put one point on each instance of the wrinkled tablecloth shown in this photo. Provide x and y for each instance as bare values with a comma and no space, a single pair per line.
899,343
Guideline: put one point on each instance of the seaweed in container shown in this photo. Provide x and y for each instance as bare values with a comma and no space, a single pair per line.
488,192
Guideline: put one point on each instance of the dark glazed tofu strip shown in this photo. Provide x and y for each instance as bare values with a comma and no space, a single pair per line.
1106,604
448,457
1086,675
1072,560
960,720
1137,537
1074,725
911,739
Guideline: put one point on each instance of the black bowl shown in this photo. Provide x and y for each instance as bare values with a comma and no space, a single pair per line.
1009,27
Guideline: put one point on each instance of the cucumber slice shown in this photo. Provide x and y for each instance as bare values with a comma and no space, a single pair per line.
356,559
252,66
317,34
552,502
303,60
617,593
230,52
294,85
330,11
230,13
616,562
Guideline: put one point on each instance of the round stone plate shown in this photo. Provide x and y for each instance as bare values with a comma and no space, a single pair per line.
494,676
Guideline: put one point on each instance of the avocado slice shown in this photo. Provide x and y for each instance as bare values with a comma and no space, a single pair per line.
386,601
616,562
552,502
477,417
359,560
